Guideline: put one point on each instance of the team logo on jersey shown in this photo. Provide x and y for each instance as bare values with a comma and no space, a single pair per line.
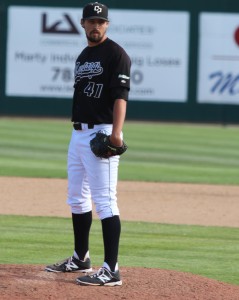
89,69
123,78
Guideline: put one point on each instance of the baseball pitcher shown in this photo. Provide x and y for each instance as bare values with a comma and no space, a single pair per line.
102,84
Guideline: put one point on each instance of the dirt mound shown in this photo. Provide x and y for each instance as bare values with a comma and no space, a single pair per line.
32,282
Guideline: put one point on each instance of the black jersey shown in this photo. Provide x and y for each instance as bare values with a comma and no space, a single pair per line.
102,74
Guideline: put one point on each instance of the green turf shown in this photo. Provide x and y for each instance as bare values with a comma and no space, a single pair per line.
209,251
157,152
182,153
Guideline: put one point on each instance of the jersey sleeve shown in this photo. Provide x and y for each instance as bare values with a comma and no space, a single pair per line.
120,93
120,77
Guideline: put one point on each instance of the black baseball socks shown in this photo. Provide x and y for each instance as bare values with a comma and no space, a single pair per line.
81,226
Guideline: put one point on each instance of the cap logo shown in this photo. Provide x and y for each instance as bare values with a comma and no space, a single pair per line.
98,9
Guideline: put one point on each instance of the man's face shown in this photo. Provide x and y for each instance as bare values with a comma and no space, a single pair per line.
95,30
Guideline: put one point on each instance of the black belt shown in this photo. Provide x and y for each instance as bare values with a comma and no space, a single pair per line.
78,126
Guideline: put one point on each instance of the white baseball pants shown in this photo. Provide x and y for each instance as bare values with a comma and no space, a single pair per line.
91,178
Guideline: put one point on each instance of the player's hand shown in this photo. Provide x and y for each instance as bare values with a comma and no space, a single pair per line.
116,140
102,146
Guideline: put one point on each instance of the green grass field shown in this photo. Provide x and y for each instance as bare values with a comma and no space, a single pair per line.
157,152
209,251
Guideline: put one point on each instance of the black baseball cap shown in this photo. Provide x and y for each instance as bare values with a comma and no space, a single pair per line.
95,10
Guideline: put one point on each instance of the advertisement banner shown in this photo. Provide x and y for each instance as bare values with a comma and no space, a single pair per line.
43,44
218,78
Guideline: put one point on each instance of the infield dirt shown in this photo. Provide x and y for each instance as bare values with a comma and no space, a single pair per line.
151,202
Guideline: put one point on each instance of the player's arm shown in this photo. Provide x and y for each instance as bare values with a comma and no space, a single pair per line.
120,92
119,113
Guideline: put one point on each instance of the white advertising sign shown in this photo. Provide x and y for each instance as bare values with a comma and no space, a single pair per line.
218,78
44,42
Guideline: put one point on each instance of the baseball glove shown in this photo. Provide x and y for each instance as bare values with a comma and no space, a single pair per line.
101,146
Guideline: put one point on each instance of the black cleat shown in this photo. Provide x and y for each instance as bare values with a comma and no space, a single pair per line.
71,264
102,277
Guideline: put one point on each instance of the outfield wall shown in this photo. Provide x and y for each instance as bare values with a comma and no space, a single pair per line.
185,57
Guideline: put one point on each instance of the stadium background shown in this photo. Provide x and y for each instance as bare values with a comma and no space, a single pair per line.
189,111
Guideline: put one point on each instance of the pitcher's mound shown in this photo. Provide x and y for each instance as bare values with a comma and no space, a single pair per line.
32,282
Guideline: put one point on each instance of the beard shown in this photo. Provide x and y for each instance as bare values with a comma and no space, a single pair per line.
94,38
